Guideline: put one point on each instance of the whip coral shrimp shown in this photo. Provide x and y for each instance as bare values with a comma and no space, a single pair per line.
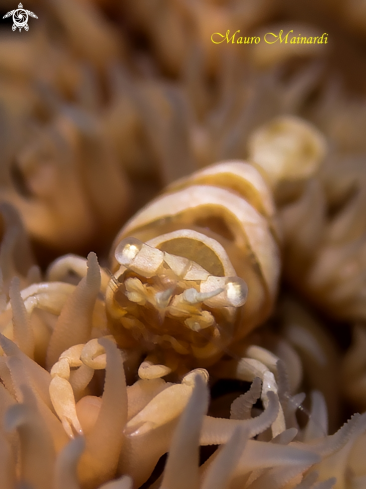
202,267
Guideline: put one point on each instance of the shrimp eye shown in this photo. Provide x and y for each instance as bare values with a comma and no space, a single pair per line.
127,250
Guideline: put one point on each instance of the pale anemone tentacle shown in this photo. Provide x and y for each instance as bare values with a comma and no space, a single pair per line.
283,383
49,297
242,405
34,275
22,330
248,369
181,468
277,146
10,440
273,455
327,250
78,309
221,469
141,393
292,362
308,481
259,456
331,444
328,484
317,350
216,431
87,411
353,368
20,380
97,464
6,400
262,355
300,232
148,434
346,225
66,464
6,377
38,376
189,21
318,420
180,392
336,449
3,298
71,16
64,265
16,256
277,477
322,274
69,203
37,451
7,465
286,436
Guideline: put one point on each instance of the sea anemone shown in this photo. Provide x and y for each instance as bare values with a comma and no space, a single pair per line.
218,339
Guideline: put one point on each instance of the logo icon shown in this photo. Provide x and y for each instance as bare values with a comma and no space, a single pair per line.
20,18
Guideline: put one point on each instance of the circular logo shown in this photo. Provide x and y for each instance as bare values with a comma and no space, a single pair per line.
20,18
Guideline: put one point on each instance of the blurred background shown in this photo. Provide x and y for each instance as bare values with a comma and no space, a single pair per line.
103,103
